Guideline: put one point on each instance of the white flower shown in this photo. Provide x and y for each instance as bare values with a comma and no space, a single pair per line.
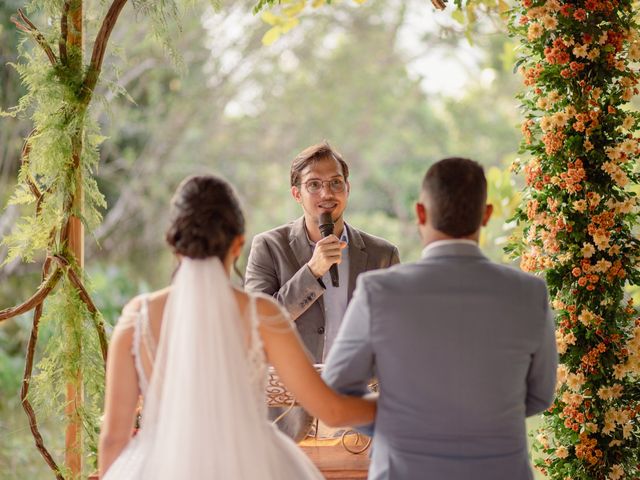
544,441
560,119
593,53
562,374
601,266
586,318
562,452
549,22
628,146
575,381
603,38
554,96
620,178
552,5
546,123
619,371
610,393
588,250
580,205
542,103
616,472
613,153
580,51
561,344
535,31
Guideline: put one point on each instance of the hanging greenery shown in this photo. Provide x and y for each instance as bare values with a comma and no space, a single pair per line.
57,181
579,215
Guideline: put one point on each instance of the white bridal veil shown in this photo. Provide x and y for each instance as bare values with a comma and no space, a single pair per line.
202,418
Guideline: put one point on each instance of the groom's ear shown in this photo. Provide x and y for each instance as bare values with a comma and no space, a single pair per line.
487,214
421,213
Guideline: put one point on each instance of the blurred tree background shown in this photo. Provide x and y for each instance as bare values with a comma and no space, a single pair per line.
393,85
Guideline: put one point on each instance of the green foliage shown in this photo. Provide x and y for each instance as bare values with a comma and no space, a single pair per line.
56,182
579,217
57,115
165,20
73,347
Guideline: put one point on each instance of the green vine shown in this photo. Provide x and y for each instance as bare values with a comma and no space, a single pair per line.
73,347
56,184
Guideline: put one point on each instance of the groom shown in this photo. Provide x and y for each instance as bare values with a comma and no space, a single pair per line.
463,348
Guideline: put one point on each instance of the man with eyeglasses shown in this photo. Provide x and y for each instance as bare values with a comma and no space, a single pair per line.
291,262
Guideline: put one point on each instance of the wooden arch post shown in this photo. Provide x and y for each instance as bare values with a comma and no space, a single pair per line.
75,238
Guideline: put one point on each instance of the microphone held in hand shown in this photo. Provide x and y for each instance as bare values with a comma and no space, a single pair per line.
326,229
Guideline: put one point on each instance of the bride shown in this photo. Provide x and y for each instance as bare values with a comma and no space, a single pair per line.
197,353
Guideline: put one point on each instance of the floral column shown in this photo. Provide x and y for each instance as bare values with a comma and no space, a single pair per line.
578,217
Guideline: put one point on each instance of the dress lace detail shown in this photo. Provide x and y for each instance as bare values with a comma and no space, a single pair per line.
143,343
147,337
256,357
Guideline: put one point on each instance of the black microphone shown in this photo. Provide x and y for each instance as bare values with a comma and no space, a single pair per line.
326,229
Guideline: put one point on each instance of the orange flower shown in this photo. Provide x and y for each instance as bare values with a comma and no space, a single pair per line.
580,14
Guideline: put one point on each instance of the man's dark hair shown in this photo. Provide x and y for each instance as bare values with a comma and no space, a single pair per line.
456,192
312,154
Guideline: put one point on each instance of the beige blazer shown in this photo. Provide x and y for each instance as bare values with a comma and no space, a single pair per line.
277,266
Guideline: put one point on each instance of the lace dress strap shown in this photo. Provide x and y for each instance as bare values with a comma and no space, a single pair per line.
256,357
147,336
141,324
254,322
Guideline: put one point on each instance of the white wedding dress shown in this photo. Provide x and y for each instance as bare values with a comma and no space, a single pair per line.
205,414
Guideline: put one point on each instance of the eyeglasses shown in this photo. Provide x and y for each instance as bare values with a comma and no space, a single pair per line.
337,185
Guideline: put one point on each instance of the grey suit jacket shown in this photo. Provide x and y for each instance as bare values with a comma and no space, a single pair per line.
464,349
277,267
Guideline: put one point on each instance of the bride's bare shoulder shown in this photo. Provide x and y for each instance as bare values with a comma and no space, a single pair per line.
242,299
158,299
129,313
266,306
156,302
273,317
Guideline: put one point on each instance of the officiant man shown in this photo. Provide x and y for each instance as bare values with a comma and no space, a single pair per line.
463,348
292,262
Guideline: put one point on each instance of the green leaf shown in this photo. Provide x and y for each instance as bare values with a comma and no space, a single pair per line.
271,36
458,16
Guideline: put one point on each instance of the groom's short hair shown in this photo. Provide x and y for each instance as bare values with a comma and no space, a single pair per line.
456,193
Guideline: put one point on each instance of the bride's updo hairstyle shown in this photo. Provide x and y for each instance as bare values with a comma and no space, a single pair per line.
204,218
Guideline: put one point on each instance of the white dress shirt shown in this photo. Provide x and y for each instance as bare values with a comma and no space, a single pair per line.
335,299
437,243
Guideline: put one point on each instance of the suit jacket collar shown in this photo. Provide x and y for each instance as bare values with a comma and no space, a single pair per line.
357,258
298,242
454,250
357,251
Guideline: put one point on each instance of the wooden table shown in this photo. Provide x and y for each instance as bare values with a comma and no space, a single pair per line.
334,461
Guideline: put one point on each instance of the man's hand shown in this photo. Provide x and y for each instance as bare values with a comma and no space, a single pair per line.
327,252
